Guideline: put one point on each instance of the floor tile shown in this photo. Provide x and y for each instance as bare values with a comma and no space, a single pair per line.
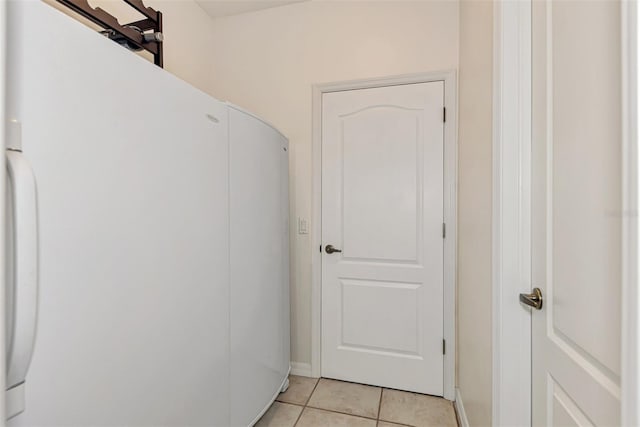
416,409
348,398
386,424
299,390
318,418
280,415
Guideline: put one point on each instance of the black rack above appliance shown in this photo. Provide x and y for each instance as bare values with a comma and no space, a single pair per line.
145,34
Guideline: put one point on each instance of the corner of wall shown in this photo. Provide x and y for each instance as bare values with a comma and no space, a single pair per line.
474,359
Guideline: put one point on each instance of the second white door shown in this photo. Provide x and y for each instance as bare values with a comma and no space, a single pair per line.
577,213
382,207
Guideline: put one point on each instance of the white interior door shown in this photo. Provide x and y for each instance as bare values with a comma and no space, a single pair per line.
382,206
576,218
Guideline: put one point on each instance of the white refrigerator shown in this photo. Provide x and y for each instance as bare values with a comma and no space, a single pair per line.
148,240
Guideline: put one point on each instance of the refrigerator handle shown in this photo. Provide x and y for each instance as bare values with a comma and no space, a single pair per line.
25,266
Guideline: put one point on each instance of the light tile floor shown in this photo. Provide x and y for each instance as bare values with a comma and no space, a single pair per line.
310,402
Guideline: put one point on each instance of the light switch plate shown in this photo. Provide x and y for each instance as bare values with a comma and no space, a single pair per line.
303,226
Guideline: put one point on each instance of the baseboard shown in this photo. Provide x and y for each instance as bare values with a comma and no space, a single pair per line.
301,369
462,416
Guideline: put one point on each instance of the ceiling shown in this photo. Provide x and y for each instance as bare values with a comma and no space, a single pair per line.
218,8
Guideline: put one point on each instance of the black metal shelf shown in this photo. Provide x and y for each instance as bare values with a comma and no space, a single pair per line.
133,33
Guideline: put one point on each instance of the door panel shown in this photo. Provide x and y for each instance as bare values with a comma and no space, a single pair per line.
576,212
380,148
382,205
361,328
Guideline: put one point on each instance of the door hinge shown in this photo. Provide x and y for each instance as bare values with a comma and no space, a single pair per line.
444,347
444,230
444,114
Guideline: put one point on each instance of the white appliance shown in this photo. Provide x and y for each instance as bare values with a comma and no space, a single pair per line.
150,267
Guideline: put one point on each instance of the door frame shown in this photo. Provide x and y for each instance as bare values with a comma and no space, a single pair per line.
3,144
630,231
511,217
450,207
512,222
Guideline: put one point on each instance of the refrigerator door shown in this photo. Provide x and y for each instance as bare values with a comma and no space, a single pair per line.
259,209
132,172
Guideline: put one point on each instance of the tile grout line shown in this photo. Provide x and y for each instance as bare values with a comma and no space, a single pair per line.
306,403
379,407
396,424
338,412
299,415
342,413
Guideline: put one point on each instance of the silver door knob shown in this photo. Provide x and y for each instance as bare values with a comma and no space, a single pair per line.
330,249
534,299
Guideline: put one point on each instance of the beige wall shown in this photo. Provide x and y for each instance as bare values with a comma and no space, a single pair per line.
188,34
474,209
267,62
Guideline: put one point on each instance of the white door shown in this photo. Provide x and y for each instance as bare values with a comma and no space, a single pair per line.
576,219
382,206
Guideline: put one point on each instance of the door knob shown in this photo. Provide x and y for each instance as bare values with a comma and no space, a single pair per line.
330,249
534,299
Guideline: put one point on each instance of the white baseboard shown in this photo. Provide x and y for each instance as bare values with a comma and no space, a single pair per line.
462,416
301,369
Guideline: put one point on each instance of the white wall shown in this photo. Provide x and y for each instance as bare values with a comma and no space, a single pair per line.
267,62
474,209
188,32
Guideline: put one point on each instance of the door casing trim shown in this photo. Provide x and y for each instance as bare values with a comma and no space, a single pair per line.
511,216
450,209
630,377
3,189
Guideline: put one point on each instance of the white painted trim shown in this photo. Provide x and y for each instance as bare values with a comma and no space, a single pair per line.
3,119
450,210
451,241
316,232
630,382
301,369
511,213
460,413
